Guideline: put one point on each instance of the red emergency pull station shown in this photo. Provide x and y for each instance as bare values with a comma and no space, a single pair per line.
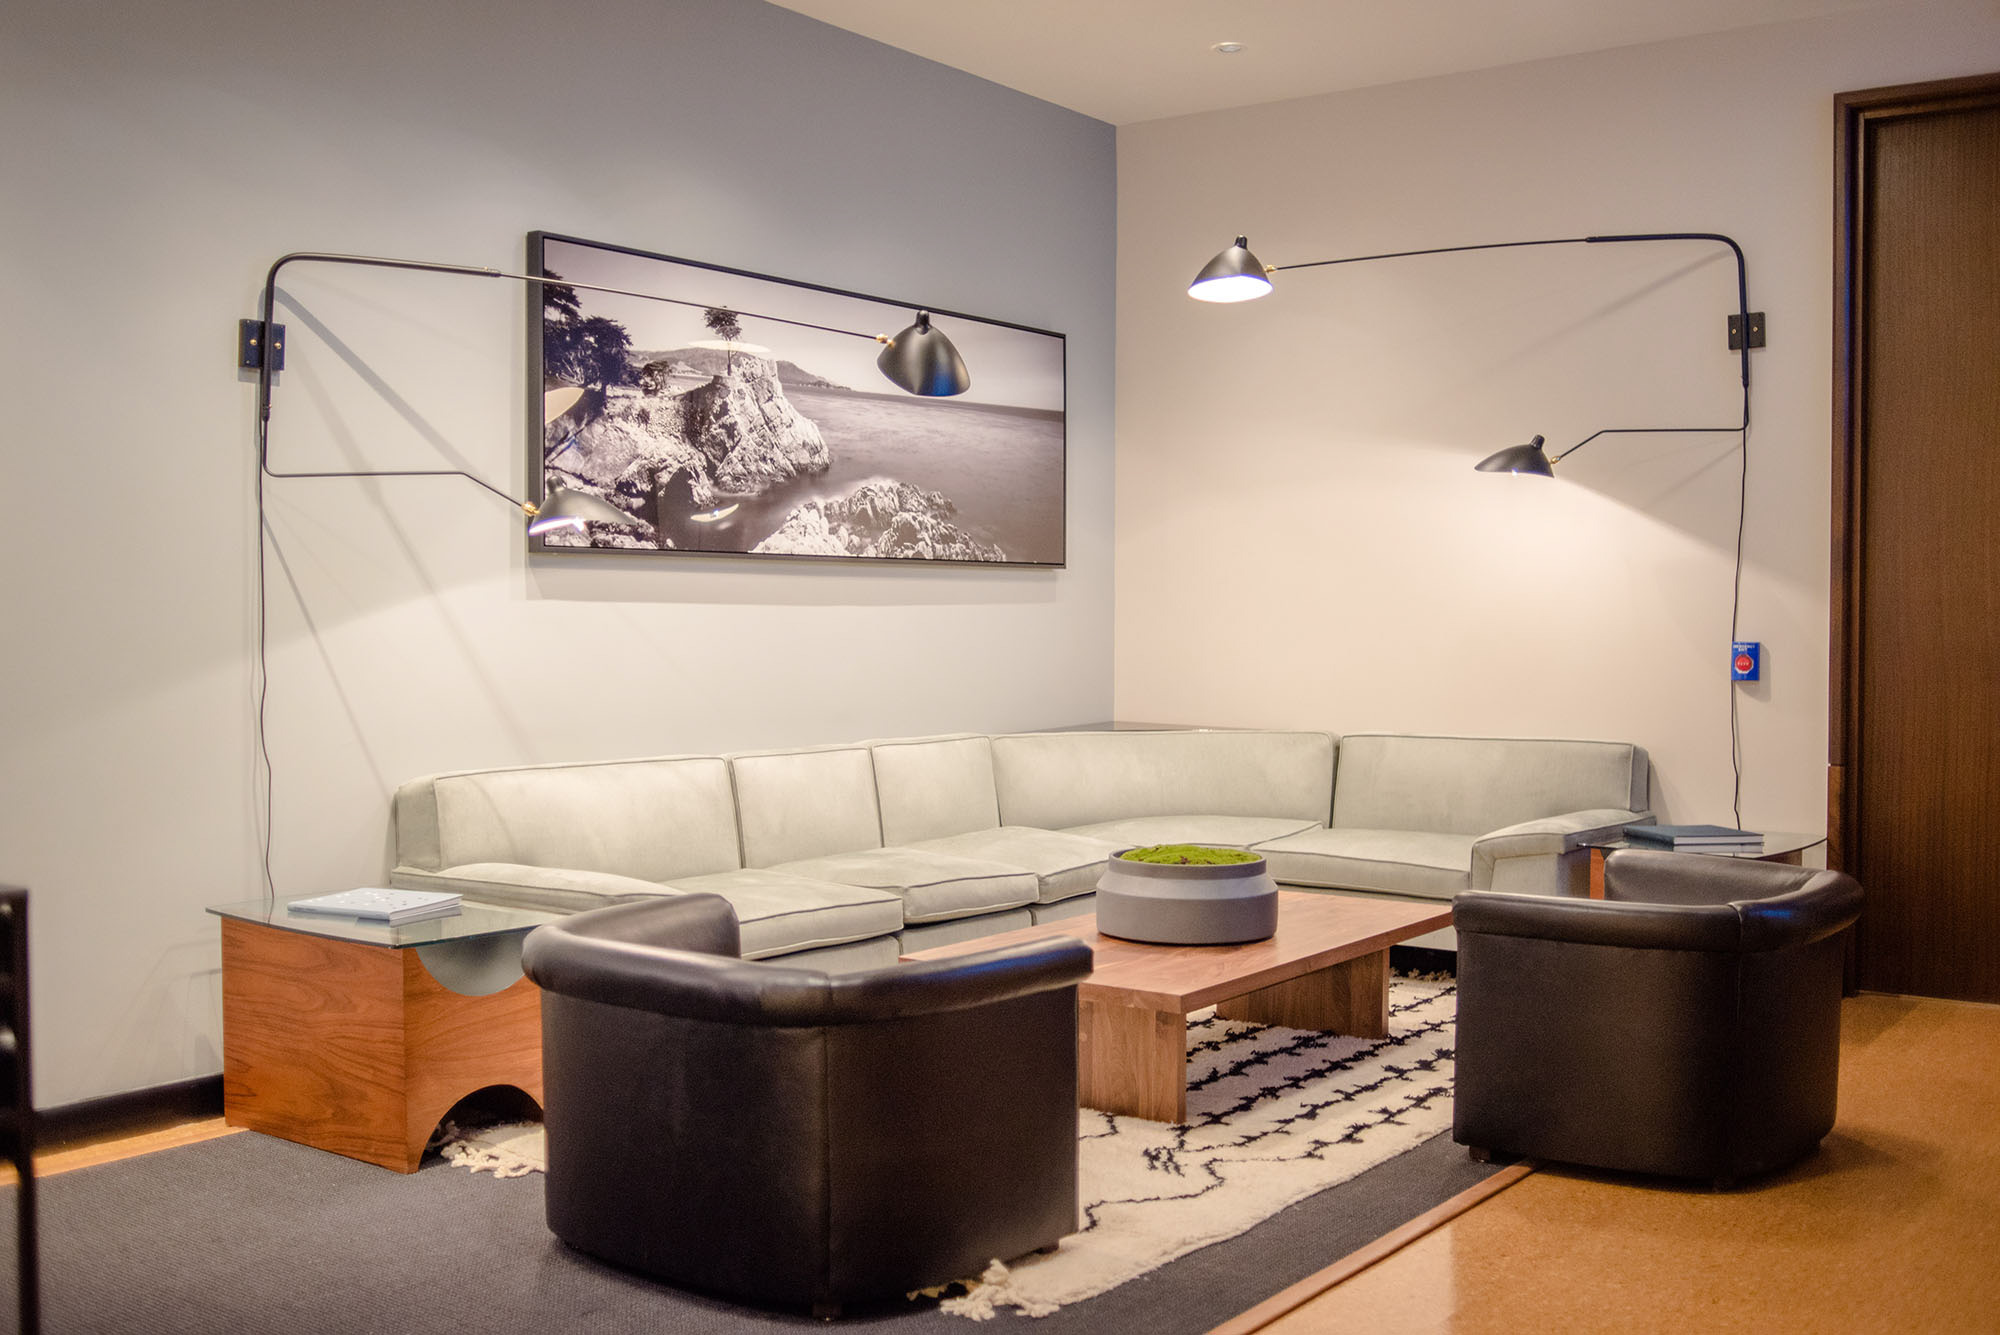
1746,660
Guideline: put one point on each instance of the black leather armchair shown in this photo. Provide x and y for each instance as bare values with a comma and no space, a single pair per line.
1687,1024
789,1137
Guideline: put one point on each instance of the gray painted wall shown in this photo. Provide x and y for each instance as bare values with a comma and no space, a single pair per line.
160,156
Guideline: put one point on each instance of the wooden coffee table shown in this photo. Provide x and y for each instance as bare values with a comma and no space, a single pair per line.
1326,968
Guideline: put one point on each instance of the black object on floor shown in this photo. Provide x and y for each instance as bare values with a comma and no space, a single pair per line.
247,1233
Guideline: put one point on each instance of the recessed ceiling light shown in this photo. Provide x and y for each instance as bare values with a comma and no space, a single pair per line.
1227,48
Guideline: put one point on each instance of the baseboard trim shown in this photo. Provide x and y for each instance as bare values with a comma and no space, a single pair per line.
1312,1286
133,1111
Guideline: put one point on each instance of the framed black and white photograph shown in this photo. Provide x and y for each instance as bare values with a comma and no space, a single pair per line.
747,415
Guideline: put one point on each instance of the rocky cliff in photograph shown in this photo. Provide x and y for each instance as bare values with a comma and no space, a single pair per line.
880,518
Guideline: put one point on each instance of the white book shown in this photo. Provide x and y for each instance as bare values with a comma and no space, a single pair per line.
381,905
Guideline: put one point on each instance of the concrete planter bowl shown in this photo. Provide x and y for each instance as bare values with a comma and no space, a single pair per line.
1187,904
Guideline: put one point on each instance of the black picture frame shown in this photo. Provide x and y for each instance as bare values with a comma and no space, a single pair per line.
774,436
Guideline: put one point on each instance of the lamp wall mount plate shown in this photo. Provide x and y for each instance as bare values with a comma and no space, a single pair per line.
253,337
1755,320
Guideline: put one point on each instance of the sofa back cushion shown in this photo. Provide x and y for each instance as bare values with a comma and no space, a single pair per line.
1472,785
933,787
1055,780
649,819
805,804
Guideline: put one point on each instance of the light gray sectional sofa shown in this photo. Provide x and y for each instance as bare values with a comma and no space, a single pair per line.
846,856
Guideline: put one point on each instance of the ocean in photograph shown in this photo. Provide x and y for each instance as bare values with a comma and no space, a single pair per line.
1001,468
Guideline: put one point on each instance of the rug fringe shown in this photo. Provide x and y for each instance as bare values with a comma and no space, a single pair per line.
470,1150
984,1297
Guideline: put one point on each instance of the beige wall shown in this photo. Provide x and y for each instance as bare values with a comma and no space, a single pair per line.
1297,471
159,156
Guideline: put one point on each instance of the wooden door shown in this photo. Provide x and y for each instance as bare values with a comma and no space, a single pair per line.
1914,778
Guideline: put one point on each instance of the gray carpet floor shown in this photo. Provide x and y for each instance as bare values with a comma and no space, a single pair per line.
249,1234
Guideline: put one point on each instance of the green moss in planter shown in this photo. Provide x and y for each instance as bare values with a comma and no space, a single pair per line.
1186,855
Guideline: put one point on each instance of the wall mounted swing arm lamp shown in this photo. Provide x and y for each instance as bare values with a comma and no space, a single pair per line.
1237,275
920,359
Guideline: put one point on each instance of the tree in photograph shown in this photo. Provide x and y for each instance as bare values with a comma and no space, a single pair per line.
560,303
595,352
722,322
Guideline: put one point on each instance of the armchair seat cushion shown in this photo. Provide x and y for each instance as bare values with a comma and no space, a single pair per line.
1228,831
777,913
1065,865
1397,862
933,886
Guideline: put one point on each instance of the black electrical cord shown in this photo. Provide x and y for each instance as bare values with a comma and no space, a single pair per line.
1735,609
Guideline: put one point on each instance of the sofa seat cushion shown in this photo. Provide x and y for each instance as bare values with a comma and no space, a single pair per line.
933,886
1397,862
1065,865
1227,831
777,913
515,885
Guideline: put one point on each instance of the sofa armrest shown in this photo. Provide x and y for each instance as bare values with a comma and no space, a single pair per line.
1547,837
518,885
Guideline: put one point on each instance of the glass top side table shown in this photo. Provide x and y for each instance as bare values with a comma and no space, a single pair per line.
1779,846
359,1037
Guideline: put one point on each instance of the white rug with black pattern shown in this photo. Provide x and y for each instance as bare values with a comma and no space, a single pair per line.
1274,1115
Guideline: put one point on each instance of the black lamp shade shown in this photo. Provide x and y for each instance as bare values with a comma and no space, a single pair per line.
572,509
923,361
1518,459
1234,275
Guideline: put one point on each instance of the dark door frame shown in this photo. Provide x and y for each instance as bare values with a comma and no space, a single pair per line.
1854,113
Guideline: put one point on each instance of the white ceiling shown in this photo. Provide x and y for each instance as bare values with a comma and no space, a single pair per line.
1135,60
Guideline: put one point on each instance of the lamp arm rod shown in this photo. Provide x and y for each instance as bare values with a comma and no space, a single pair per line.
1742,305
521,505
1437,250
267,310
1742,280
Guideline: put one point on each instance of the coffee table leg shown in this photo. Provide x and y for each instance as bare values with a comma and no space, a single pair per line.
1350,998
1132,1061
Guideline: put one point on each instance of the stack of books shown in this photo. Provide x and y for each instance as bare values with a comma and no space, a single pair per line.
393,907
1697,838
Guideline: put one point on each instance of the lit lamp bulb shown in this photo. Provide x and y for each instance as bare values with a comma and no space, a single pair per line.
1234,275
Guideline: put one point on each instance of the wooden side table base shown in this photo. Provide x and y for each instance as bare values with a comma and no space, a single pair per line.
356,1048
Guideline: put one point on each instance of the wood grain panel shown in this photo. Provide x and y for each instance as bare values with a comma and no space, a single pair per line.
1132,1061
355,1048
456,1045
1921,557
1350,998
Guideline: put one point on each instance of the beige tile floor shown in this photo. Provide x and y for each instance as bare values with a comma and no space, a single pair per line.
1894,1226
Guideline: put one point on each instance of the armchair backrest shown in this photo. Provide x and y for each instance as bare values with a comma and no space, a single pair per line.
676,957
1677,901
